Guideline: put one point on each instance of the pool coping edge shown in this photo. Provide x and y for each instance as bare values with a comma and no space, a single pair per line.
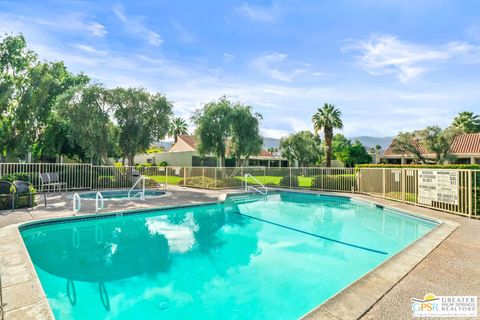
20,272
350,303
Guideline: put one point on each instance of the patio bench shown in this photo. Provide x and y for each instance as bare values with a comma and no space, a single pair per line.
51,180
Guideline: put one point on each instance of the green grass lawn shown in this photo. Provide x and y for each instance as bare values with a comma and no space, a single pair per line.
305,182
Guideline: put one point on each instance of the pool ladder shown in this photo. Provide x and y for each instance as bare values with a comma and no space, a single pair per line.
262,189
99,202
77,202
140,194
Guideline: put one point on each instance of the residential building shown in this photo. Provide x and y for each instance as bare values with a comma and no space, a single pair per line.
465,148
184,153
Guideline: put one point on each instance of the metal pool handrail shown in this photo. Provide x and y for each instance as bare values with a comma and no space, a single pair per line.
76,198
99,202
248,188
141,193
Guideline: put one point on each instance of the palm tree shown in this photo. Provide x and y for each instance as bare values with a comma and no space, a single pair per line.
177,127
327,118
467,122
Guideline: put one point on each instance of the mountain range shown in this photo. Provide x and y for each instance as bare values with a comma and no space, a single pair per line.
367,141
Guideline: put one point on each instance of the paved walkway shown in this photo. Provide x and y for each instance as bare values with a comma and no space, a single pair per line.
453,268
61,205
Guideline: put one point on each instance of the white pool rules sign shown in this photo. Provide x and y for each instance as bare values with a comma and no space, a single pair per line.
437,186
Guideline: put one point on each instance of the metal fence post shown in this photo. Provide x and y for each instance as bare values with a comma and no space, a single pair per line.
383,182
264,174
470,191
290,177
184,176
403,177
91,176
215,177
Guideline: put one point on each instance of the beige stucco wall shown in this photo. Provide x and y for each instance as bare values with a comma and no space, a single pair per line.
172,158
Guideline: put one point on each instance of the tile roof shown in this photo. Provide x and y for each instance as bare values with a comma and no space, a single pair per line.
467,143
463,144
265,153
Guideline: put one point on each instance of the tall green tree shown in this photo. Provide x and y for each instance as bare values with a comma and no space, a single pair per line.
46,81
141,119
245,139
431,140
467,122
55,142
224,123
303,147
177,127
439,142
349,153
28,91
15,62
87,109
213,128
327,118
409,143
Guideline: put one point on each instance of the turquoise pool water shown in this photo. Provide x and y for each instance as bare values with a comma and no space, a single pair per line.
273,257
119,194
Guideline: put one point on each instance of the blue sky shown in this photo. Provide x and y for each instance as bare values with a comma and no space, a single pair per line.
388,65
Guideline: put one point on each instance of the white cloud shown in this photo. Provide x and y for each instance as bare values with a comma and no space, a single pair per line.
66,22
227,57
258,13
279,67
386,54
136,25
380,109
89,49
274,133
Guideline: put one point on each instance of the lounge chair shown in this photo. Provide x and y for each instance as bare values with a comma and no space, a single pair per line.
7,192
22,191
51,180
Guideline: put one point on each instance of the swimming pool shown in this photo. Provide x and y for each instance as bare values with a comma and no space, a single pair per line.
252,257
120,194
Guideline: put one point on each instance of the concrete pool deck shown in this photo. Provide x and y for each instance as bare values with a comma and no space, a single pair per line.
443,263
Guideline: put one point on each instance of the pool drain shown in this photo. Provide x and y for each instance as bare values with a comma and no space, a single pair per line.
163,305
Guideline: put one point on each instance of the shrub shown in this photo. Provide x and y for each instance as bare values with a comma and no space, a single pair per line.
209,183
285,181
342,182
163,164
149,183
22,176
140,165
106,181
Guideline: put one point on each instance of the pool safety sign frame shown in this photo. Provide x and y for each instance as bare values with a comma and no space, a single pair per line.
438,185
